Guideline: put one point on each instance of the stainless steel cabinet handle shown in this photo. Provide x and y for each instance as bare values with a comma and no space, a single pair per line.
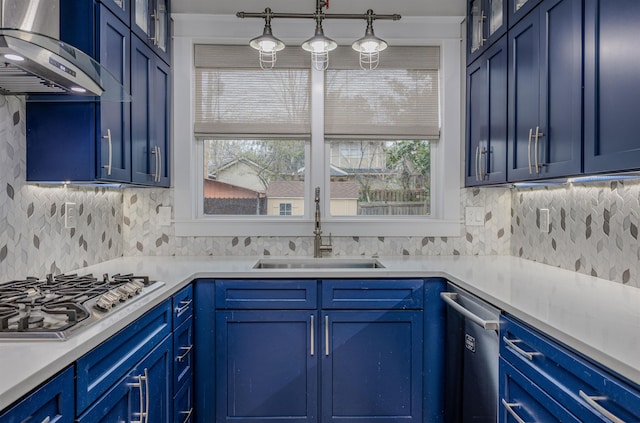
483,18
512,344
326,335
146,389
477,163
312,345
450,299
159,168
529,149
536,153
139,384
483,163
188,415
110,145
46,419
593,403
184,355
509,408
185,305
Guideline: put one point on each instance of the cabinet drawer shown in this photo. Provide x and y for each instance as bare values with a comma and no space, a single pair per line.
182,306
183,403
182,353
523,398
567,377
107,363
267,294
51,402
372,294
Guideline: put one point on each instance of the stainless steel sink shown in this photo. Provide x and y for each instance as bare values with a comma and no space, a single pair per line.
318,263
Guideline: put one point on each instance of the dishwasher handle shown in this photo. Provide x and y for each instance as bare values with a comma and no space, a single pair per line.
450,299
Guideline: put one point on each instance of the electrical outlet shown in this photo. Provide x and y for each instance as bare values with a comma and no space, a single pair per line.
164,216
544,221
474,216
70,215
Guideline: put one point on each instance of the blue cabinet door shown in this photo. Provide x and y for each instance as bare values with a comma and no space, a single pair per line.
53,402
149,116
266,366
114,159
545,92
521,398
487,117
371,366
144,391
120,8
611,85
150,22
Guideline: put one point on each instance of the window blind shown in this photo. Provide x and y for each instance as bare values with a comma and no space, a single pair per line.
399,99
235,97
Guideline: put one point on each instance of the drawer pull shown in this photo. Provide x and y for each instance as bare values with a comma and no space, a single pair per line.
184,355
593,403
326,335
512,344
312,345
450,299
510,410
188,415
185,305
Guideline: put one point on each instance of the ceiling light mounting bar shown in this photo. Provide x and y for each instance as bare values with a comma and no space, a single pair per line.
369,46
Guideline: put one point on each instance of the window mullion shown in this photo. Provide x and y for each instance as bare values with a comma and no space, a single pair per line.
318,177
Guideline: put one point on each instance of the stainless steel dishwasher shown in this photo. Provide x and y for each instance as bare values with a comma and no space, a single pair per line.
472,348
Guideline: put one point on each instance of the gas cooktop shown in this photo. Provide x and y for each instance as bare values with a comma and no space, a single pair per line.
58,306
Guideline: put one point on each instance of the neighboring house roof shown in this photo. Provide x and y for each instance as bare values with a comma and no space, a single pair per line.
217,189
295,189
333,171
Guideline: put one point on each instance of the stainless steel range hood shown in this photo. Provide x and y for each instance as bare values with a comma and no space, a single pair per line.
34,61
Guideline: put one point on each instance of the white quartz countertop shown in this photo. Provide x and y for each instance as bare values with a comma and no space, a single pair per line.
596,317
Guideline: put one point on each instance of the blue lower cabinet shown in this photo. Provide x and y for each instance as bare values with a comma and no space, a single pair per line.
523,399
372,366
183,403
53,402
266,366
143,394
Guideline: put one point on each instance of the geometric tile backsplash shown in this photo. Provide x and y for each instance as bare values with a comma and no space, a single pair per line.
142,236
593,228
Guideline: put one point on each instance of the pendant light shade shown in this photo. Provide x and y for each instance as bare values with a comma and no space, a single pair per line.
319,46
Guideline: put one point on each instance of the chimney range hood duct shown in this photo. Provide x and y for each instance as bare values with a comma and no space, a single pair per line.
33,61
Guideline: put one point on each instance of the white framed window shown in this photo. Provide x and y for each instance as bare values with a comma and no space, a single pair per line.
441,217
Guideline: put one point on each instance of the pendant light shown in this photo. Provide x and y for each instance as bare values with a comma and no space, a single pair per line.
266,44
369,46
319,46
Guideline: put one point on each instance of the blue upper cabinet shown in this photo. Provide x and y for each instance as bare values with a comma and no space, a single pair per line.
150,90
150,21
487,117
120,8
612,84
486,23
88,140
517,9
545,92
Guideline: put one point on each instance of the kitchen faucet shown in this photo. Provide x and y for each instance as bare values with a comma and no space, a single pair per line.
318,246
